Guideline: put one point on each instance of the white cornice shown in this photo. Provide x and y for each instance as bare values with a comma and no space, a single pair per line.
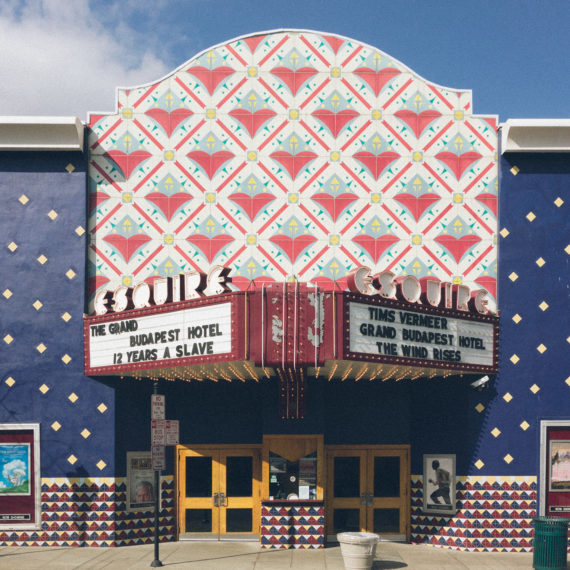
41,133
535,135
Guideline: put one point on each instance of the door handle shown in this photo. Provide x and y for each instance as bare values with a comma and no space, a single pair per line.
216,499
369,500
223,500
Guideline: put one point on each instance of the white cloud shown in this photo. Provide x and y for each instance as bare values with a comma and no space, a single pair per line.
58,59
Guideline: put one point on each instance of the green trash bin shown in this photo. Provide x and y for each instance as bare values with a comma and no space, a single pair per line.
550,543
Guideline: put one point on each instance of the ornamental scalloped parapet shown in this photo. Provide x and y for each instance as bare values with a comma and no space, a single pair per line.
292,155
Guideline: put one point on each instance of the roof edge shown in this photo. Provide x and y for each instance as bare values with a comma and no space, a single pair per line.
535,135
28,133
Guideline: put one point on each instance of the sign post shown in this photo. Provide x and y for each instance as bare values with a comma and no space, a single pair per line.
162,433
156,410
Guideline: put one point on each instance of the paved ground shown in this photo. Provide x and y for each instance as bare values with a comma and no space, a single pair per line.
248,555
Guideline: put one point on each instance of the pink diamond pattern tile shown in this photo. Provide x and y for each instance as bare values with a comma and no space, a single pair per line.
292,154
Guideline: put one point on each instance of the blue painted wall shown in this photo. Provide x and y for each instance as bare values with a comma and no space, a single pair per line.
50,182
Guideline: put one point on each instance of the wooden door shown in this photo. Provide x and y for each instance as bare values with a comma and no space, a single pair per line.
368,490
218,492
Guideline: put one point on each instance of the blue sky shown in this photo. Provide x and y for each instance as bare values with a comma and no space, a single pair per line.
66,57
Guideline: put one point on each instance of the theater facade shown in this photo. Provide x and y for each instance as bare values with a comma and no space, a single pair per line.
342,291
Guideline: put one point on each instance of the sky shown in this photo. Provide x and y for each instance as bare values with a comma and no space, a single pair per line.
67,57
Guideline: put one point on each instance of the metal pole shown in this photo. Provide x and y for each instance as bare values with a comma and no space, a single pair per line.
157,495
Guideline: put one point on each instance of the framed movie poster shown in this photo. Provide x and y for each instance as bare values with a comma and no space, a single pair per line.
140,481
439,484
20,479
15,469
559,476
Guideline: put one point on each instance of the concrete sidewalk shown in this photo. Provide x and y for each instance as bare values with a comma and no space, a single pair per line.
248,555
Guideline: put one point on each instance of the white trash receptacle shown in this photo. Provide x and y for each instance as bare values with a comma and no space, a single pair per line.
358,549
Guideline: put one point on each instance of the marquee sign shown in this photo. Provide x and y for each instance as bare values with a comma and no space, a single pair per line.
384,330
403,321
178,334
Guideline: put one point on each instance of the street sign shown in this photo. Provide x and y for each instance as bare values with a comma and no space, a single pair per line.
157,406
158,458
165,432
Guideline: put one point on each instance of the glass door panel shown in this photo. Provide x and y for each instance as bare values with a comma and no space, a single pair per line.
199,476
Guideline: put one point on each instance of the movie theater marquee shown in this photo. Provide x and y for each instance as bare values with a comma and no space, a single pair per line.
393,332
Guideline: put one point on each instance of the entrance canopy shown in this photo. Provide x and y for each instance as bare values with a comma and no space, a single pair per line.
294,328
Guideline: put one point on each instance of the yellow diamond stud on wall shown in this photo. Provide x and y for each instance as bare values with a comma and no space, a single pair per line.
23,199
85,433
37,305
7,293
42,259
514,359
10,381
66,317
41,348
515,170
507,397
79,230
479,407
56,426
534,388
496,432
70,168
479,464
101,465
531,216
541,348
525,425
102,408
558,202
44,388
543,306
8,339
52,215
66,358
70,274
508,458
12,246
540,262
72,459
513,276
504,232
517,318
73,397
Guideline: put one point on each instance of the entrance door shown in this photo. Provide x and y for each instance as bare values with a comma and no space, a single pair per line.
369,490
218,493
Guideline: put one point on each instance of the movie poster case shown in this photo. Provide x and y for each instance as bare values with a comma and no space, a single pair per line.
439,484
141,490
559,476
20,476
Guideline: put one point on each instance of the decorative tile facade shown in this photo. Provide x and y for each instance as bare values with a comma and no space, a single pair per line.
493,514
292,526
292,155
92,512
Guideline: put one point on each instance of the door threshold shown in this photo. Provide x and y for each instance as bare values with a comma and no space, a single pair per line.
210,538
332,538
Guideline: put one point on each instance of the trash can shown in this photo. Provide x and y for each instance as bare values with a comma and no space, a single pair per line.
550,543
358,549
